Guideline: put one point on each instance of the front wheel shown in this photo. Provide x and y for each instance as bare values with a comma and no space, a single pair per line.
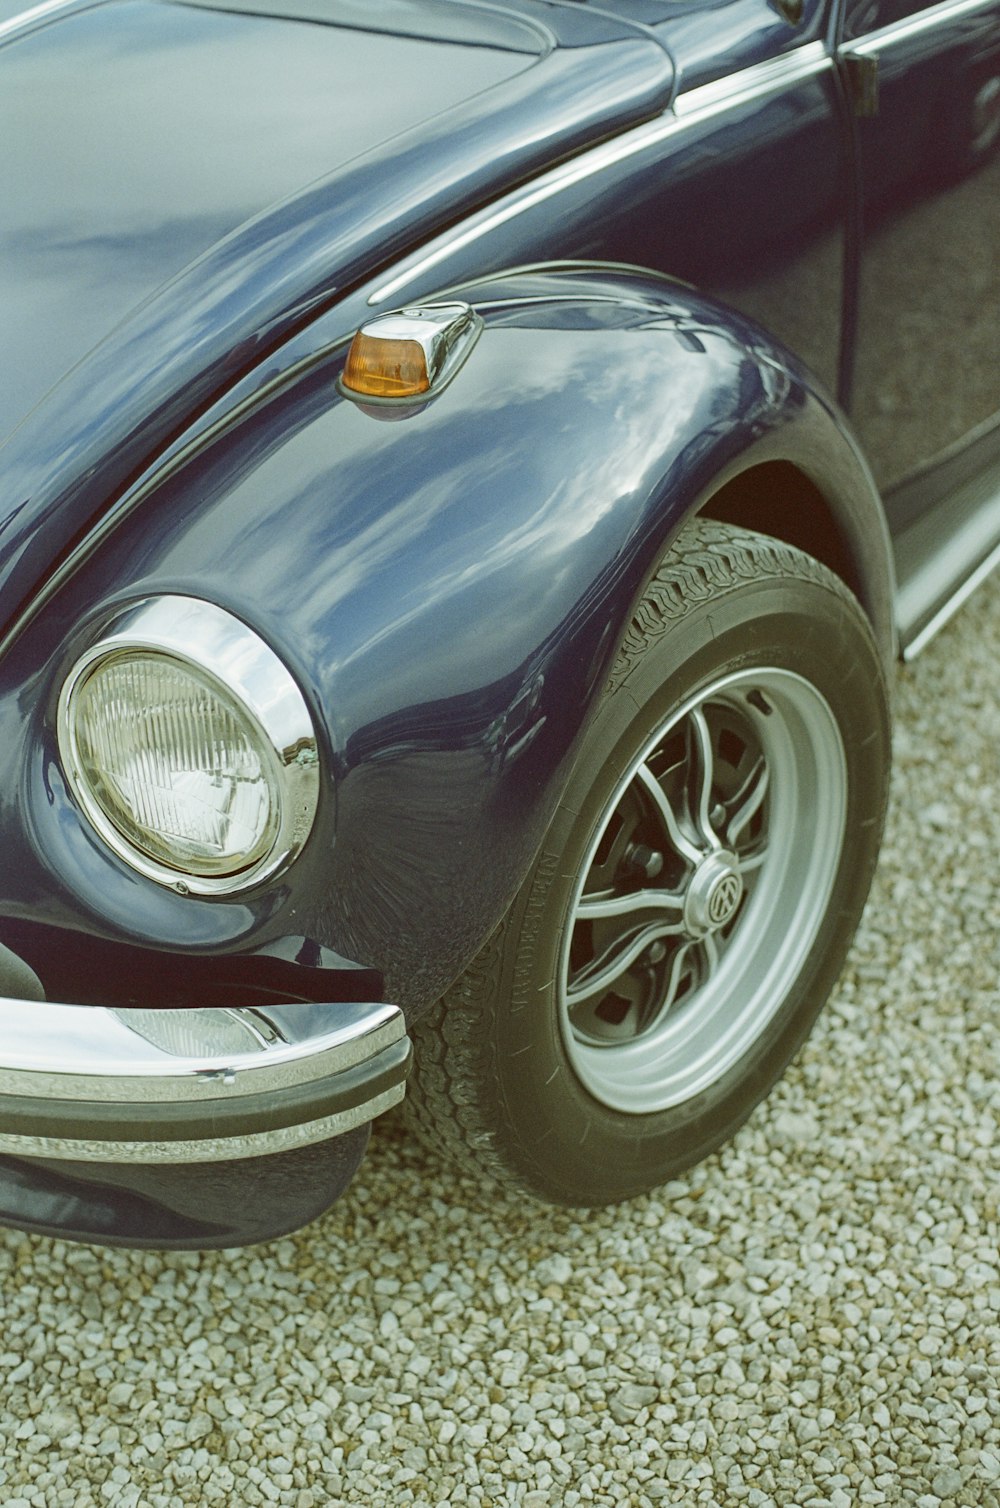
696,893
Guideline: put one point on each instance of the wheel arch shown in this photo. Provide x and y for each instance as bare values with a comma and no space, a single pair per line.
778,499
454,623
805,482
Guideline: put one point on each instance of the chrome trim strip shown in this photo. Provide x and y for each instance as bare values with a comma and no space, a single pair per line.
689,109
89,1064
208,1149
957,600
38,14
913,26
757,80
94,1054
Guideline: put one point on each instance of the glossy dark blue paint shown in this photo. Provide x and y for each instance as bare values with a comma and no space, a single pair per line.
927,367
98,216
221,311
115,412
711,39
931,195
449,590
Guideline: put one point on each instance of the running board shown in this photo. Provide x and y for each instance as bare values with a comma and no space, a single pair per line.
943,557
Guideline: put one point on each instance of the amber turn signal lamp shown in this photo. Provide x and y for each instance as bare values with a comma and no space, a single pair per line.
380,368
410,353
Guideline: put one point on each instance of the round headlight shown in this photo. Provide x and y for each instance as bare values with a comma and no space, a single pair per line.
189,747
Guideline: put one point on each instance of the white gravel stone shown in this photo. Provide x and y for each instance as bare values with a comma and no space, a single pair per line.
809,1320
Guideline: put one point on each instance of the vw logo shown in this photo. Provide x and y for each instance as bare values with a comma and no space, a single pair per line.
725,898
714,894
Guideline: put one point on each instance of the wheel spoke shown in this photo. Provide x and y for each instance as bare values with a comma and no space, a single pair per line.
710,880
601,973
753,861
665,811
612,861
673,983
593,909
748,801
703,762
710,948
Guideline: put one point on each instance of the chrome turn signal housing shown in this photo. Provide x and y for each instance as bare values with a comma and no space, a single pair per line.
410,354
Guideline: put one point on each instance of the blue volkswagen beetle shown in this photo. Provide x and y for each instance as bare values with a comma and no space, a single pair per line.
468,472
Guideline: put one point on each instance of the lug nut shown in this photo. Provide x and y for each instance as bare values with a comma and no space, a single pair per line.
644,861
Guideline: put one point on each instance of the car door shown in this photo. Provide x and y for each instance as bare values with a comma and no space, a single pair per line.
925,84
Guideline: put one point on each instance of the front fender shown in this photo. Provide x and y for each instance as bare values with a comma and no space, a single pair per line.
449,590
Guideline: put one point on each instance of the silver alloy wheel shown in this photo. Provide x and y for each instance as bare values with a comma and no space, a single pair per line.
703,890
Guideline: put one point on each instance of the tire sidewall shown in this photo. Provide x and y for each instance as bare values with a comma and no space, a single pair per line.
592,1153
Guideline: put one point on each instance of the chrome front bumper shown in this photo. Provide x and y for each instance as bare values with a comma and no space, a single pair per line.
91,1084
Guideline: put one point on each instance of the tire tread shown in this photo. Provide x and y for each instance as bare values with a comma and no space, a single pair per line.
453,1103
706,561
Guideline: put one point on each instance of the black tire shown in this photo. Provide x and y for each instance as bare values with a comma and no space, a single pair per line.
577,1083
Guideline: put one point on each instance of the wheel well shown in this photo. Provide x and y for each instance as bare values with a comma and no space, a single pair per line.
776,498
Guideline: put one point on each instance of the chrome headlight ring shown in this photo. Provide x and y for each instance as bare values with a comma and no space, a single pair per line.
244,761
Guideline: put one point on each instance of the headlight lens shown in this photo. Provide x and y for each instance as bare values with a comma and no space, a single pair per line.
190,748
176,764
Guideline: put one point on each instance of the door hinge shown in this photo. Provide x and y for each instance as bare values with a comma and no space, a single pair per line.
861,73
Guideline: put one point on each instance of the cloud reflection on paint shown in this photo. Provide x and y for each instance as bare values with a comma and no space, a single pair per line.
434,557
133,137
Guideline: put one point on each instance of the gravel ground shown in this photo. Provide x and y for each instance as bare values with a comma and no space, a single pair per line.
810,1318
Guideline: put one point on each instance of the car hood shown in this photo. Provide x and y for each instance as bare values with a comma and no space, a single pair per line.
184,184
